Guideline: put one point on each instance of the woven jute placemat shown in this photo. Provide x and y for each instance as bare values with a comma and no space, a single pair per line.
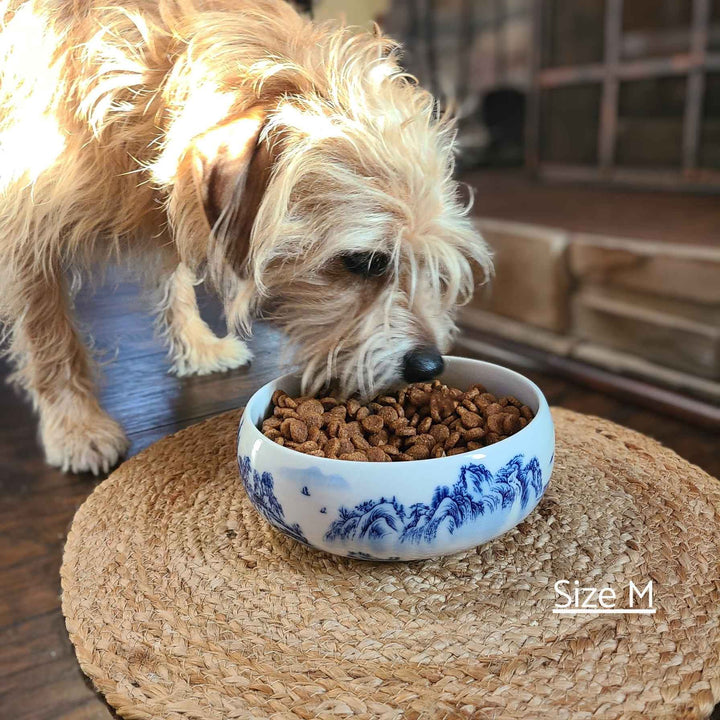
182,603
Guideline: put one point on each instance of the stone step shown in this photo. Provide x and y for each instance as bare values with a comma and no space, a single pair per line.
685,272
481,324
531,280
601,297
674,333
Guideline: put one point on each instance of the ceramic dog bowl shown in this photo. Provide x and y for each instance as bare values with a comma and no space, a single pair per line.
401,510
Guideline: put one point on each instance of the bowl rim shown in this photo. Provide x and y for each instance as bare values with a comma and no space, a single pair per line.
543,408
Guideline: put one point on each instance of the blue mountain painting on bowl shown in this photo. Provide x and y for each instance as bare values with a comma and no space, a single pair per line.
477,493
401,510
261,490
385,522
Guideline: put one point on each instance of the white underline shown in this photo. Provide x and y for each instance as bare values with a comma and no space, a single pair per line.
604,611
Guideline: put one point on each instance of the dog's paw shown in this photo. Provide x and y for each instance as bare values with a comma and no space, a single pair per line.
211,355
87,441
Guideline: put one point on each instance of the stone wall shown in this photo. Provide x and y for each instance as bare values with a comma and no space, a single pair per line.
647,309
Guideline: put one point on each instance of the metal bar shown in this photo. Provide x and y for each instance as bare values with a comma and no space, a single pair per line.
712,61
412,37
428,30
532,123
634,70
557,76
609,103
466,36
499,42
695,89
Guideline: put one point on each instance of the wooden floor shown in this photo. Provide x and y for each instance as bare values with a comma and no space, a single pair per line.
39,676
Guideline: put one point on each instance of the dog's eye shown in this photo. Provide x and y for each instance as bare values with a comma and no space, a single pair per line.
368,264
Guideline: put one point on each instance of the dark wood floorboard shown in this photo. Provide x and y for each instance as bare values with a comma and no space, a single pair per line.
39,676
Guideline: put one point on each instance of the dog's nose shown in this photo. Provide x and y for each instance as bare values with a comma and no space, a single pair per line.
422,364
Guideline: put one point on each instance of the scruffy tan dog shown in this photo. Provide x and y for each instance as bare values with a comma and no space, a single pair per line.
231,140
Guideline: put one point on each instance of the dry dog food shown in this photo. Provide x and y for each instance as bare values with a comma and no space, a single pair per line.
423,420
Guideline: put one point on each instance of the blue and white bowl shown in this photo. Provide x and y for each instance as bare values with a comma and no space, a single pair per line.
401,510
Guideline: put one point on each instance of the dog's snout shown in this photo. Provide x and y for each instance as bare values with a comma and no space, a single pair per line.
423,363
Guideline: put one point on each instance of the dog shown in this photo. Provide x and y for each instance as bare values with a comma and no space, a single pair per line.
292,165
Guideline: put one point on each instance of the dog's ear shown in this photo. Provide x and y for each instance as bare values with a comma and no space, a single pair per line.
231,170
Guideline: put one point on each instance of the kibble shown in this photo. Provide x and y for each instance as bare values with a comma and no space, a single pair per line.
420,421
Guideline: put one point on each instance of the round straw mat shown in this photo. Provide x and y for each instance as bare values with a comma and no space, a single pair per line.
182,603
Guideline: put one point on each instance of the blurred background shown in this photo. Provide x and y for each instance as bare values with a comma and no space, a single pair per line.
590,131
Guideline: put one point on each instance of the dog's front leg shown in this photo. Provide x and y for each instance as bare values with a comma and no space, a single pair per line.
52,365
194,348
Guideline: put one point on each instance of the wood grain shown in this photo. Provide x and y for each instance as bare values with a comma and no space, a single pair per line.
39,677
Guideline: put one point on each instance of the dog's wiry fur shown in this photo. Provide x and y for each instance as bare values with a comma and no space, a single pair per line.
132,126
